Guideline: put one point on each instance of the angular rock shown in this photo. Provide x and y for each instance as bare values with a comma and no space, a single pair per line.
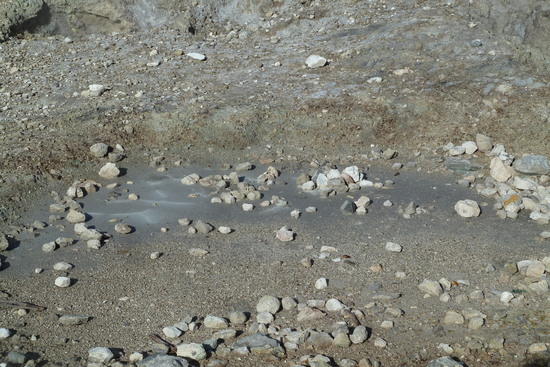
171,332
532,165
321,283
196,56
261,344
62,266
74,216
467,208
309,313
348,207
285,235
4,243
319,340
359,335
334,305
215,322
162,360
99,150
204,227
499,171
453,318
63,282
444,362
193,351
315,61
123,228
100,355
431,287
109,171
265,318
393,247
470,147
484,143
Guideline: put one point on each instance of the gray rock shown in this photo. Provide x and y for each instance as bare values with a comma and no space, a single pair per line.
348,207
4,243
431,287
203,227
237,317
341,340
289,303
99,150
319,340
16,357
245,166
268,304
393,247
123,228
359,335
191,350
171,332
100,355
315,61
467,208
532,165
49,247
484,143
70,320
444,362
163,360
334,305
261,344
74,216
215,322
453,318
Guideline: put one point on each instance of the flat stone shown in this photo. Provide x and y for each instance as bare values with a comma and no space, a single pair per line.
245,166
215,322
268,304
198,252
261,344
109,171
309,314
196,56
467,208
393,247
532,165
162,360
444,362
453,318
193,351
100,355
70,320
537,348
62,266
431,287
171,332
63,282
16,357
334,305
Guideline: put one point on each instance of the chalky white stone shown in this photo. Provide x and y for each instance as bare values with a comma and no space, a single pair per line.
393,247
467,208
315,61
321,283
109,171
196,56
100,355
224,230
334,305
431,287
62,266
285,235
5,333
191,350
63,282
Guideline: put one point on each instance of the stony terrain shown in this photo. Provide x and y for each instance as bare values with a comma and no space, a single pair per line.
385,202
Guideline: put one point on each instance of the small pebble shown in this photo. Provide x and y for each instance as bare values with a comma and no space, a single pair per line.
154,255
63,282
321,283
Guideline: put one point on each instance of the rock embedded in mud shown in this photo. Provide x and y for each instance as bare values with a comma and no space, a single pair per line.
315,61
123,228
109,171
49,246
453,318
467,208
99,150
95,90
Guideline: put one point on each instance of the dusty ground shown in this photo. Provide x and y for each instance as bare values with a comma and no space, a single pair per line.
253,99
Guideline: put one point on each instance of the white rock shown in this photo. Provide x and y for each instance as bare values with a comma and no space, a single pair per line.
264,318
99,150
386,324
470,147
109,171
354,173
506,297
537,348
215,322
123,228
315,61
499,171
453,318
431,287
5,333
49,247
457,150
334,305
322,180
387,203
62,266
93,244
74,216
171,332
393,247
247,207
224,230
196,56
484,143
467,208
95,90
380,343
63,282
100,355
295,213
191,350
308,186
321,283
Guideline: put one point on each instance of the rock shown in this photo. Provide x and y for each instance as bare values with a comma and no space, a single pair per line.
198,251
315,61
348,207
95,90
537,348
268,304
334,305
453,318
310,313
171,332
49,246
359,335
245,166
499,171
123,228
62,266
215,322
309,186
109,171
74,216
533,165
431,287
261,344
196,56
90,234
354,173
288,303
484,143
457,150
99,150
203,227
285,235
444,362
476,323
535,269
5,333
380,343
4,243
319,340
70,320
100,355
193,351
16,357
393,247
506,297
467,208
470,147
162,360
264,318
248,207
224,230
321,283
63,282
341,340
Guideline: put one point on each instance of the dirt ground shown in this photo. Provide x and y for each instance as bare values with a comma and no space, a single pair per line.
411,76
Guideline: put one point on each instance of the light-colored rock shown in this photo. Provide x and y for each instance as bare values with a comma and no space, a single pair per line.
309,186
354,173
506,297
393,247
470,147
49,246
484,143
158,360
535,269
532,165
444,362
95,90
268,304
224,230
99,150
321,283
203,227
70,320
537,348
215,322
288,303
109,171
499,171
310,313
359,335
264,318
285,235
171,332
194,251
123,228
431,287
196,56
476,323
63,282
4,243
74,216
62,266
380,343
453,318
467,208
315,61
5,333
193,351
334,305
100,355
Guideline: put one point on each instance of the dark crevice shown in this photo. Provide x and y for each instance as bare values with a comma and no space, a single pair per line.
33,25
